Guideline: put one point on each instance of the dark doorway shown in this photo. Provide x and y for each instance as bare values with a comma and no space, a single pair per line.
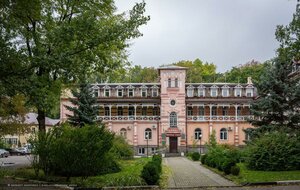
173,144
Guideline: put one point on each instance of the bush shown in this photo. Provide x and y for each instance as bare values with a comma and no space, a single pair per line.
226,166
203,157
276,151
235,170
195,156
70,151
150,173
121,149
157,160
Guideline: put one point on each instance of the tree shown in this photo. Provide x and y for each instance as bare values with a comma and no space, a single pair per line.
57,42
253,69
199,71
277,107
84,109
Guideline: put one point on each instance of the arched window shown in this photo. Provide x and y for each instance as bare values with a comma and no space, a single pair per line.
123,133
198,134
173,119
223,134
148,134
169,83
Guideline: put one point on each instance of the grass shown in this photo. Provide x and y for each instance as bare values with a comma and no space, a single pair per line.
252,176
164,178
128,176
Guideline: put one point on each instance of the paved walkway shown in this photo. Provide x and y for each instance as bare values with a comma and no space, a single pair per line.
186,173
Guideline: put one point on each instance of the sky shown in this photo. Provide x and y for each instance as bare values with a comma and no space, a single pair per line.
224,32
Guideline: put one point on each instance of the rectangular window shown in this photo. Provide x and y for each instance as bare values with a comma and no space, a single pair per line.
169,83
11,141
144,92
144,111
131,111
176,82
153,150
214,111
120,111
106,92
190,92
120,92
190,111
141,151
225,111
214,92
154,92
238,92
249,92
96,92
201,92
107,111
155,111
201,111
130,92
225,92
239,111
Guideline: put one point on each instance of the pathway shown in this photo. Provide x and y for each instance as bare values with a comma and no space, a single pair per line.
186,173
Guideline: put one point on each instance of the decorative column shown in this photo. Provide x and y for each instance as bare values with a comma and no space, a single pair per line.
236,108
236,127
135,106
135,136
110,111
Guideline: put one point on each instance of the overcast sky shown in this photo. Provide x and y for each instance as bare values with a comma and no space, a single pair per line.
225,32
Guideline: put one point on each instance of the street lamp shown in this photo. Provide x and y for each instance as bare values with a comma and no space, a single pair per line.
147,137
200,137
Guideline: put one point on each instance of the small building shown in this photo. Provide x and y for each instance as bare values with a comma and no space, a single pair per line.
33,126
171,114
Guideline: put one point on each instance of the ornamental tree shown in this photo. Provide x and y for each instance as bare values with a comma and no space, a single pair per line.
84,109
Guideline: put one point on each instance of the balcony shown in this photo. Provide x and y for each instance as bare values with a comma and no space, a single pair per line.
219,118
128,118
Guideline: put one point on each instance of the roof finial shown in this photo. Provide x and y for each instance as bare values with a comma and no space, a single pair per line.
249,80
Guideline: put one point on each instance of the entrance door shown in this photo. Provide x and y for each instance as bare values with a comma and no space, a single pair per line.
173,144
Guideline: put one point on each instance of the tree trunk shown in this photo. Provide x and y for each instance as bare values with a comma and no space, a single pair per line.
42,121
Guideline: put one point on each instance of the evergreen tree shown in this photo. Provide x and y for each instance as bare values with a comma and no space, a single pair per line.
277,107
84,110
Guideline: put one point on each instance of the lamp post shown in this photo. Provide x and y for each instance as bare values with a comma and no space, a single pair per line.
200,137
147,137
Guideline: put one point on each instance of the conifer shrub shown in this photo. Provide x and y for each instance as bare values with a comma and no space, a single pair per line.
157,160
150,173
235,170
195,156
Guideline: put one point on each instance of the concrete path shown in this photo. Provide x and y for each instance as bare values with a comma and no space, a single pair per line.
186,173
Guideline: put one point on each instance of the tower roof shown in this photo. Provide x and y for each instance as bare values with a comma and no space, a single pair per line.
171,67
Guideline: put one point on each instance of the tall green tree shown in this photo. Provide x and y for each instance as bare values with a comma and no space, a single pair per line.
57,42
199,71
253,69
277,107
84,110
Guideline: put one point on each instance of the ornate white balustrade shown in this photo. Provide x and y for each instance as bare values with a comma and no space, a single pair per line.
219,118
128,118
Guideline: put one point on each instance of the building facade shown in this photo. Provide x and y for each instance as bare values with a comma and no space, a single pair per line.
173,115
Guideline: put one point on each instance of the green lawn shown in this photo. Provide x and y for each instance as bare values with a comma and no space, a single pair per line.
250,176
128,176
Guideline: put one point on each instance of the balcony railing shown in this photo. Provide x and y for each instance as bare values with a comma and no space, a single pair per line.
128,118
219,118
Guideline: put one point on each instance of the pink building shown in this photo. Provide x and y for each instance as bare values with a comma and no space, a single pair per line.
173,115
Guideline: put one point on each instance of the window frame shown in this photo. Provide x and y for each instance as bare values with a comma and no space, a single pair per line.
197,133
223,134
148,132
130,90
173,120
120,92
123,133
106,91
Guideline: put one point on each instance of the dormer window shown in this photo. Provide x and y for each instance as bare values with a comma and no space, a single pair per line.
96,92
107,92
249,91
201,91
225,91
214,91
154,92
238,92
120,92
190,91
144,91
130,92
